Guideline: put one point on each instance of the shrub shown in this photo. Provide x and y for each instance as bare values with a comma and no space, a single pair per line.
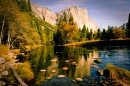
16,51
3,50
24,71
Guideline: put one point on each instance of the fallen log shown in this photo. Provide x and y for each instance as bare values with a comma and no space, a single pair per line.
17,77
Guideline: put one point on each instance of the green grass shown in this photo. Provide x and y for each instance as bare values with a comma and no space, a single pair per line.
81,43
115,72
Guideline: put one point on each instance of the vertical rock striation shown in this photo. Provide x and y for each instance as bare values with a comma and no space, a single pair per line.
80,16
44,13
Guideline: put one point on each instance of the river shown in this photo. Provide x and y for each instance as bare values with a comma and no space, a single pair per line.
74,62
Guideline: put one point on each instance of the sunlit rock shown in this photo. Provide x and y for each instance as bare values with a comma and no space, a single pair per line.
100,72
5,73
94,66
74,63
61,76
67,61
22,53
54,60
53,71
79,79
43,70
64,68
80,16
48,78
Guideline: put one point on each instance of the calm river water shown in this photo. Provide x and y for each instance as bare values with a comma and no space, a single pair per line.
74,62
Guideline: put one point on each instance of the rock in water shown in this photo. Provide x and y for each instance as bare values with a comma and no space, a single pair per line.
98,60
53,71
79,79
43,70
100,72
61,76
65,68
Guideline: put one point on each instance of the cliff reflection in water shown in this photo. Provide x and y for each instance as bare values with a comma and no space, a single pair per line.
50,61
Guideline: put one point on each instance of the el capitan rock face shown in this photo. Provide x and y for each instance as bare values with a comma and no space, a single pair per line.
80,16
44,13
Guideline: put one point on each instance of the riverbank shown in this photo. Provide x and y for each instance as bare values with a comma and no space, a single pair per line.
83,42
100,42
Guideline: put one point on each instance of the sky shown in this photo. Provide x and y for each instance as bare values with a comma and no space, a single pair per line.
102,12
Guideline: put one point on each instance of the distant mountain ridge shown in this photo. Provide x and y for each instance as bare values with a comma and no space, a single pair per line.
80,16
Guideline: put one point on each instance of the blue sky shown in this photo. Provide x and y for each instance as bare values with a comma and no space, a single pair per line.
103,12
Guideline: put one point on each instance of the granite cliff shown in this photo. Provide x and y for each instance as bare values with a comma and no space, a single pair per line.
44,13
80,16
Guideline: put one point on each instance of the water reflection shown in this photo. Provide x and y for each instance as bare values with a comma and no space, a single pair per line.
73,62
77,60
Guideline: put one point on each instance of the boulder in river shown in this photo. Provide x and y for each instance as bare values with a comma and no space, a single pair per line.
53,71
43,70
98,60
94,66
61,76
79,79
65,68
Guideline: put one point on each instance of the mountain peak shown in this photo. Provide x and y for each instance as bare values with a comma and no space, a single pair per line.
80,16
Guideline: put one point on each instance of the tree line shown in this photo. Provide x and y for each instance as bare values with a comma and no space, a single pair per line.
68,32
19,26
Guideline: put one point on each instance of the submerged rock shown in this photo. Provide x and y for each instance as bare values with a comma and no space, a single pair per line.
61,76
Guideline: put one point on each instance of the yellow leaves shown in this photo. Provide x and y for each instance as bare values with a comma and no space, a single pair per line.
24,71
69,31
3,50
119,33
